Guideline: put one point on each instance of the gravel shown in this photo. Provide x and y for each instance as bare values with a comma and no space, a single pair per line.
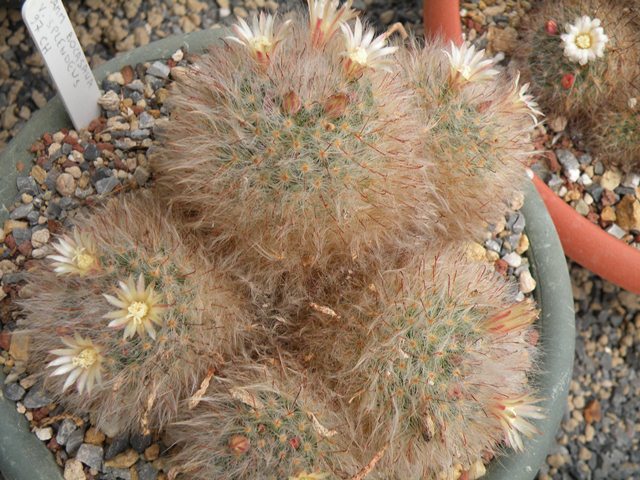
589,446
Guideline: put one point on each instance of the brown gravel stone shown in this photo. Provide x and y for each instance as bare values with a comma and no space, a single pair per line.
25,248
5,339
128,74
628,213
592,412
608,214
151,453
39,174
94,436
65,185
502,40
123,460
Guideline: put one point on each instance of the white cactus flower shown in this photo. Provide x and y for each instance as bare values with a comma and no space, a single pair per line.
584,41
138,308
81,362
467,65
363,51
75,255
326,16
260,38
513,414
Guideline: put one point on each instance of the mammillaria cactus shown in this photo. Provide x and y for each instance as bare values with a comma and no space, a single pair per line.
258,424
615,132
576,54
129,317
477,134
324,149
308,174
340,146
432,363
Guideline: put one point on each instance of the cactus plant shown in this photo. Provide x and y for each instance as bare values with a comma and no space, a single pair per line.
326,155
338,149
130,316
572,88
614,134
265,425
477,132
309,169
432,362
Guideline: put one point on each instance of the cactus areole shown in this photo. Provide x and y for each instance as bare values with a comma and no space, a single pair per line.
22,456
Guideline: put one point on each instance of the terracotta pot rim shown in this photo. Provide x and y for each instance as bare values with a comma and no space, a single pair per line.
589,245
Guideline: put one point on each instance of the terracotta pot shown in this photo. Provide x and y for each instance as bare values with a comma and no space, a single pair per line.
589,245
442,19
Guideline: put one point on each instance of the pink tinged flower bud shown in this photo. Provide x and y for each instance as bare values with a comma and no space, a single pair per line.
551,27
568,79
291,103
239,444
294,442
336,105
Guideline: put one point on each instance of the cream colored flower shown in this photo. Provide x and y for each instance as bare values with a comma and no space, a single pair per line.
139,308
467,65
259,38
512,413
364,51
309,476
584,41
81,362
521,98
514,319
326,16
77,255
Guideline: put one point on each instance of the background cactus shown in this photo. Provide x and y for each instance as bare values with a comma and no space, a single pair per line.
258,423
430,363
614,135
564,87
179,317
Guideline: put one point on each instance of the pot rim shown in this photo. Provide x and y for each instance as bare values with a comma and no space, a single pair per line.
591,246
24,457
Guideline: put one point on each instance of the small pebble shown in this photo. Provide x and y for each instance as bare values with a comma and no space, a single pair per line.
526,282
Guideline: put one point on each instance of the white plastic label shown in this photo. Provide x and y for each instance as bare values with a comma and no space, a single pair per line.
53,34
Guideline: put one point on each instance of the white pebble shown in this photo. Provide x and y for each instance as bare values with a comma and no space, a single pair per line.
526,281
109,101
40,238
562,191
588,199
616,231
178,55
44,434
513,259
585,180
631,180
582,208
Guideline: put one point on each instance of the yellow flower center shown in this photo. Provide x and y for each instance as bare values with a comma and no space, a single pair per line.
83,260
137,311
86,358
511,415
584,41
261,44
466,71
359,55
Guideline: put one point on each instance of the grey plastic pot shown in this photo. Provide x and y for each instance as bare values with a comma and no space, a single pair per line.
23,457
